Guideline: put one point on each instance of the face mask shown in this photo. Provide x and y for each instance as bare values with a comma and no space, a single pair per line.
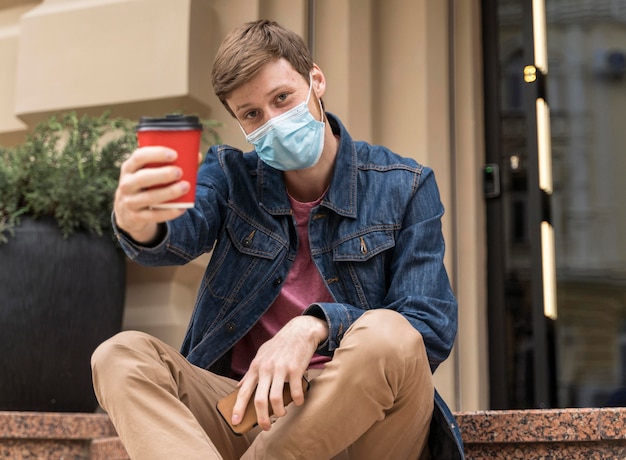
291,140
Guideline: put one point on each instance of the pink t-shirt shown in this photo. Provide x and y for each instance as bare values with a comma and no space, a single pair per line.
303,286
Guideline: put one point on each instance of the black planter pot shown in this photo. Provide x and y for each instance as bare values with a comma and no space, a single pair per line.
59,299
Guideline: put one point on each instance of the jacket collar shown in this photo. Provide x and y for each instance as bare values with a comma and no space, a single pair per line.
341,196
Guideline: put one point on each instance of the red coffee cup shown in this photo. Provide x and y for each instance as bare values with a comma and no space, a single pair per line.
180,133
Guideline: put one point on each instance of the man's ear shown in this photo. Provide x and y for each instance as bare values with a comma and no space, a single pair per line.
318,81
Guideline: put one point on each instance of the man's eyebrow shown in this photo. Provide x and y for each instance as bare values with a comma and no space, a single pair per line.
275,89
242,106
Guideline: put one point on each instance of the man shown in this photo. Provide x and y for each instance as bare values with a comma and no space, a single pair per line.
327,262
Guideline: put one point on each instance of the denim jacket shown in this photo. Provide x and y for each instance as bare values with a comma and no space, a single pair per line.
375,238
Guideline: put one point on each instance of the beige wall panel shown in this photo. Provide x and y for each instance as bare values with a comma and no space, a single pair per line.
160,300
401,81
203,41
11,128
343,49
470,211
90,53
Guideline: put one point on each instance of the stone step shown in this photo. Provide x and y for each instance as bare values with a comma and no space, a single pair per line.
51,435
532,434
108,449
589,433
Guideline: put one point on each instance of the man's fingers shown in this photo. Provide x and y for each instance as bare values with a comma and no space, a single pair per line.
276,397
261,403
239,409
296,387
146,155
149,177
147,198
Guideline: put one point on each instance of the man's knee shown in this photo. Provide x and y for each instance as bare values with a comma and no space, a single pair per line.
387,332
109,351
118,361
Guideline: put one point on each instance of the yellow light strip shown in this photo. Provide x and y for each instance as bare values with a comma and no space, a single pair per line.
549,270
544,149
539,35
544,146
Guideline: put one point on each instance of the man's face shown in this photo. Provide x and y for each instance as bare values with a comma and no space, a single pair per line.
276,88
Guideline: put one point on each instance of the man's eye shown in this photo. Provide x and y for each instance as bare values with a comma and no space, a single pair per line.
281,97
250,115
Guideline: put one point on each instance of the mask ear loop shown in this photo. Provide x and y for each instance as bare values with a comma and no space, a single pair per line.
323,120
308,97
245,134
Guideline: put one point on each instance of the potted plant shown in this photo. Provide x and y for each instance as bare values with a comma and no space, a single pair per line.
62,276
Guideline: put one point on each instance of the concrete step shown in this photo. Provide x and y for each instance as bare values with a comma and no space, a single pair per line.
533,434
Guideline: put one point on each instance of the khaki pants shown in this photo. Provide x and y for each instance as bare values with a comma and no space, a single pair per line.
374,400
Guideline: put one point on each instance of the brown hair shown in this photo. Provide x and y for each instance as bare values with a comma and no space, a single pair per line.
246,49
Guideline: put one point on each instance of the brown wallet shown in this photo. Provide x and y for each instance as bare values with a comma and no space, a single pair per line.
249,421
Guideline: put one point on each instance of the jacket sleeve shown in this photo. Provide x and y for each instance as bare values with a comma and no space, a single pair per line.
418,286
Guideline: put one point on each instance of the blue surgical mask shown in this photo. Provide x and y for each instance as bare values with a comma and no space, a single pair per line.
291,140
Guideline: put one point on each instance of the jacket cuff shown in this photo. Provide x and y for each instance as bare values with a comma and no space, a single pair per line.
338,317
131,247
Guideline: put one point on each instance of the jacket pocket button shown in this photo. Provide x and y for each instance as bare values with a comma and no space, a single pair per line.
278,281
230,328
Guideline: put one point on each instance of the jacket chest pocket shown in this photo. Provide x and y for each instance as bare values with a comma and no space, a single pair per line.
362,262
361,248
243,258
252,240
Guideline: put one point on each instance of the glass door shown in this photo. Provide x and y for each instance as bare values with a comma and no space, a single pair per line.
587,87
556,341
522,290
